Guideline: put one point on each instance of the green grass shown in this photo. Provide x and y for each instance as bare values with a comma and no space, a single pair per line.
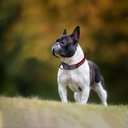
35,113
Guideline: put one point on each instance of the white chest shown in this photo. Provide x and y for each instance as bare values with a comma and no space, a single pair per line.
75,82
75,79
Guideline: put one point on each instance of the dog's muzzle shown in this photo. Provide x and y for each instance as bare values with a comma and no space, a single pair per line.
53,50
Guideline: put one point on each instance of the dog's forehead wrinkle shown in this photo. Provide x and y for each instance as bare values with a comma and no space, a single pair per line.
67,38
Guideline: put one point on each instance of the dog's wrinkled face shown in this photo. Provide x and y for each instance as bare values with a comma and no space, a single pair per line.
66,45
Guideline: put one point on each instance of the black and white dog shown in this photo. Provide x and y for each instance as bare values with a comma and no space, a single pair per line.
75,71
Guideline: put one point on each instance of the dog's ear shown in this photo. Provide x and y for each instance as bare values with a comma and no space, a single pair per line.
64,32
76,32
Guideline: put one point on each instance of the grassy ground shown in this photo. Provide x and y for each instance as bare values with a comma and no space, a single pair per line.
35,113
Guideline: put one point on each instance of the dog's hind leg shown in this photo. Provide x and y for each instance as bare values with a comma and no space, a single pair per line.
101,92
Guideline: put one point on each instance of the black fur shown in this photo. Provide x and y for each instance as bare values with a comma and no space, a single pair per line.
95,75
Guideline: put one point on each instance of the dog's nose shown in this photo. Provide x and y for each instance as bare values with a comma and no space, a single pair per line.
57,43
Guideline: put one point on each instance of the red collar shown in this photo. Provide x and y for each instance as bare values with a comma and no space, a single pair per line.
73,66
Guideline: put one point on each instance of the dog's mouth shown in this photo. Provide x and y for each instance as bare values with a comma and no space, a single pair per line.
54,53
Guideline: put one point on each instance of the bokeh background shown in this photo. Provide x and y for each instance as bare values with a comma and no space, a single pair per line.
28,29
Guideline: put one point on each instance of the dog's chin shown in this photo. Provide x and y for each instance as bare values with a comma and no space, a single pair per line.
57,55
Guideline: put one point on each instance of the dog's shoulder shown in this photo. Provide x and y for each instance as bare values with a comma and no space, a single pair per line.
93,66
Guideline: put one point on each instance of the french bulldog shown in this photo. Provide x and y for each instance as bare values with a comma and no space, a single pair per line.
75,71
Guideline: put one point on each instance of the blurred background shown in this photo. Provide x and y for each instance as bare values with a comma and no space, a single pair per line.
29,28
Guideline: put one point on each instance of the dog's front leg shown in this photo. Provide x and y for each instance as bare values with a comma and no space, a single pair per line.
63,93
84,95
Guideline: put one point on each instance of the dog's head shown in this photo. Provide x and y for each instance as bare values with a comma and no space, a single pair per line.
66,45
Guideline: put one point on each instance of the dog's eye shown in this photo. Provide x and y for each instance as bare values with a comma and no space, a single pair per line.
63,42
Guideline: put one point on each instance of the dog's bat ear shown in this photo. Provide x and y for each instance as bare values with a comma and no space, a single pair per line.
76,32
64,32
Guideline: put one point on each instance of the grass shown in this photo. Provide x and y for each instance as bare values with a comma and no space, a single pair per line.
35,113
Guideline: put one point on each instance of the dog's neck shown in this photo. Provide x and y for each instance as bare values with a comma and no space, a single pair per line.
76,58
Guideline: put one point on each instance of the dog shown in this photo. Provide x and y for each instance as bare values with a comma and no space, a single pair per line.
75,71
